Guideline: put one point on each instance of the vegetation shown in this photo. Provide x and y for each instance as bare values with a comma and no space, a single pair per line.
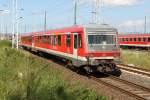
137,58
24,76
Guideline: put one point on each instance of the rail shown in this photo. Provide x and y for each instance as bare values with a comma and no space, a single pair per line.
131,89
133,69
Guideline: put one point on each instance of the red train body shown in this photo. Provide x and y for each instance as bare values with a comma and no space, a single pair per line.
94,47
134,40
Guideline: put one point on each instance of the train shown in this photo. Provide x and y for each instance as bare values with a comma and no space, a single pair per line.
134,41
92,47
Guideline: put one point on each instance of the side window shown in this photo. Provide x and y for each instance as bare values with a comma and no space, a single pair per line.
123,39
36,39
22,39
130,39
68,40
139,39
80,41
50,40
44,39
40,39
55,40
59,40
134,39
126,39
29,38
149,39
144,39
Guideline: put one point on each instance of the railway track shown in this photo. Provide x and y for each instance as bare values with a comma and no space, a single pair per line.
131,89
134,69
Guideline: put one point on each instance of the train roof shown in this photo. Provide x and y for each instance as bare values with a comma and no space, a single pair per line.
98,26
134,35
72,29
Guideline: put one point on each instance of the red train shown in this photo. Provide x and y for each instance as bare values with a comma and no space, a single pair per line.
135,40
91,47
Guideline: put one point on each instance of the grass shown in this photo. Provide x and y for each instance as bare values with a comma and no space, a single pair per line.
138,58
24,76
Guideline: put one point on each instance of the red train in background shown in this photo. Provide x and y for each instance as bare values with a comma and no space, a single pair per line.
92,47
140,41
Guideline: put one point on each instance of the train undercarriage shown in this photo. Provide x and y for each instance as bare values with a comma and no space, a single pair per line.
104,67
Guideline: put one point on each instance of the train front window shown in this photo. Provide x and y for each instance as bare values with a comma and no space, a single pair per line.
101,39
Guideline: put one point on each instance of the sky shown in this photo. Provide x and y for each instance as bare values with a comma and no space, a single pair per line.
125,15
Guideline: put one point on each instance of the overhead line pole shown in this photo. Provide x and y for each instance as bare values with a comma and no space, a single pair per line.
1,27
45,21
75,13
145,25
13,24
96,12
15,33
17,26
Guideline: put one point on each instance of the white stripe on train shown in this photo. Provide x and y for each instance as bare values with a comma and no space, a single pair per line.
148,45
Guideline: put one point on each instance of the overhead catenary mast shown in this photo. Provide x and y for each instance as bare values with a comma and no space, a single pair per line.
13,24
15,37
96,12
17,24
45,21
75,12
145,25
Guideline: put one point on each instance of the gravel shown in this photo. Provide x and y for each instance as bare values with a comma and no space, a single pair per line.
136,78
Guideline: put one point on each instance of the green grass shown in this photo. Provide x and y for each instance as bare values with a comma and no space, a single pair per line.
24,76
5,43
138,58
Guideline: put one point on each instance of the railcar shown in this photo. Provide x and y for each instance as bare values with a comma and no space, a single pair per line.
91,47
140,41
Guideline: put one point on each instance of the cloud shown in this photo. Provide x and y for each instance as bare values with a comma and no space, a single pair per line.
132,23
147,11
112,2
134,26
121,2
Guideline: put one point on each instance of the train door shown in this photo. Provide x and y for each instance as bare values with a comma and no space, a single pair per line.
32,41
75,49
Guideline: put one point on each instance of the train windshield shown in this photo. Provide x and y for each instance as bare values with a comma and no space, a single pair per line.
101,39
